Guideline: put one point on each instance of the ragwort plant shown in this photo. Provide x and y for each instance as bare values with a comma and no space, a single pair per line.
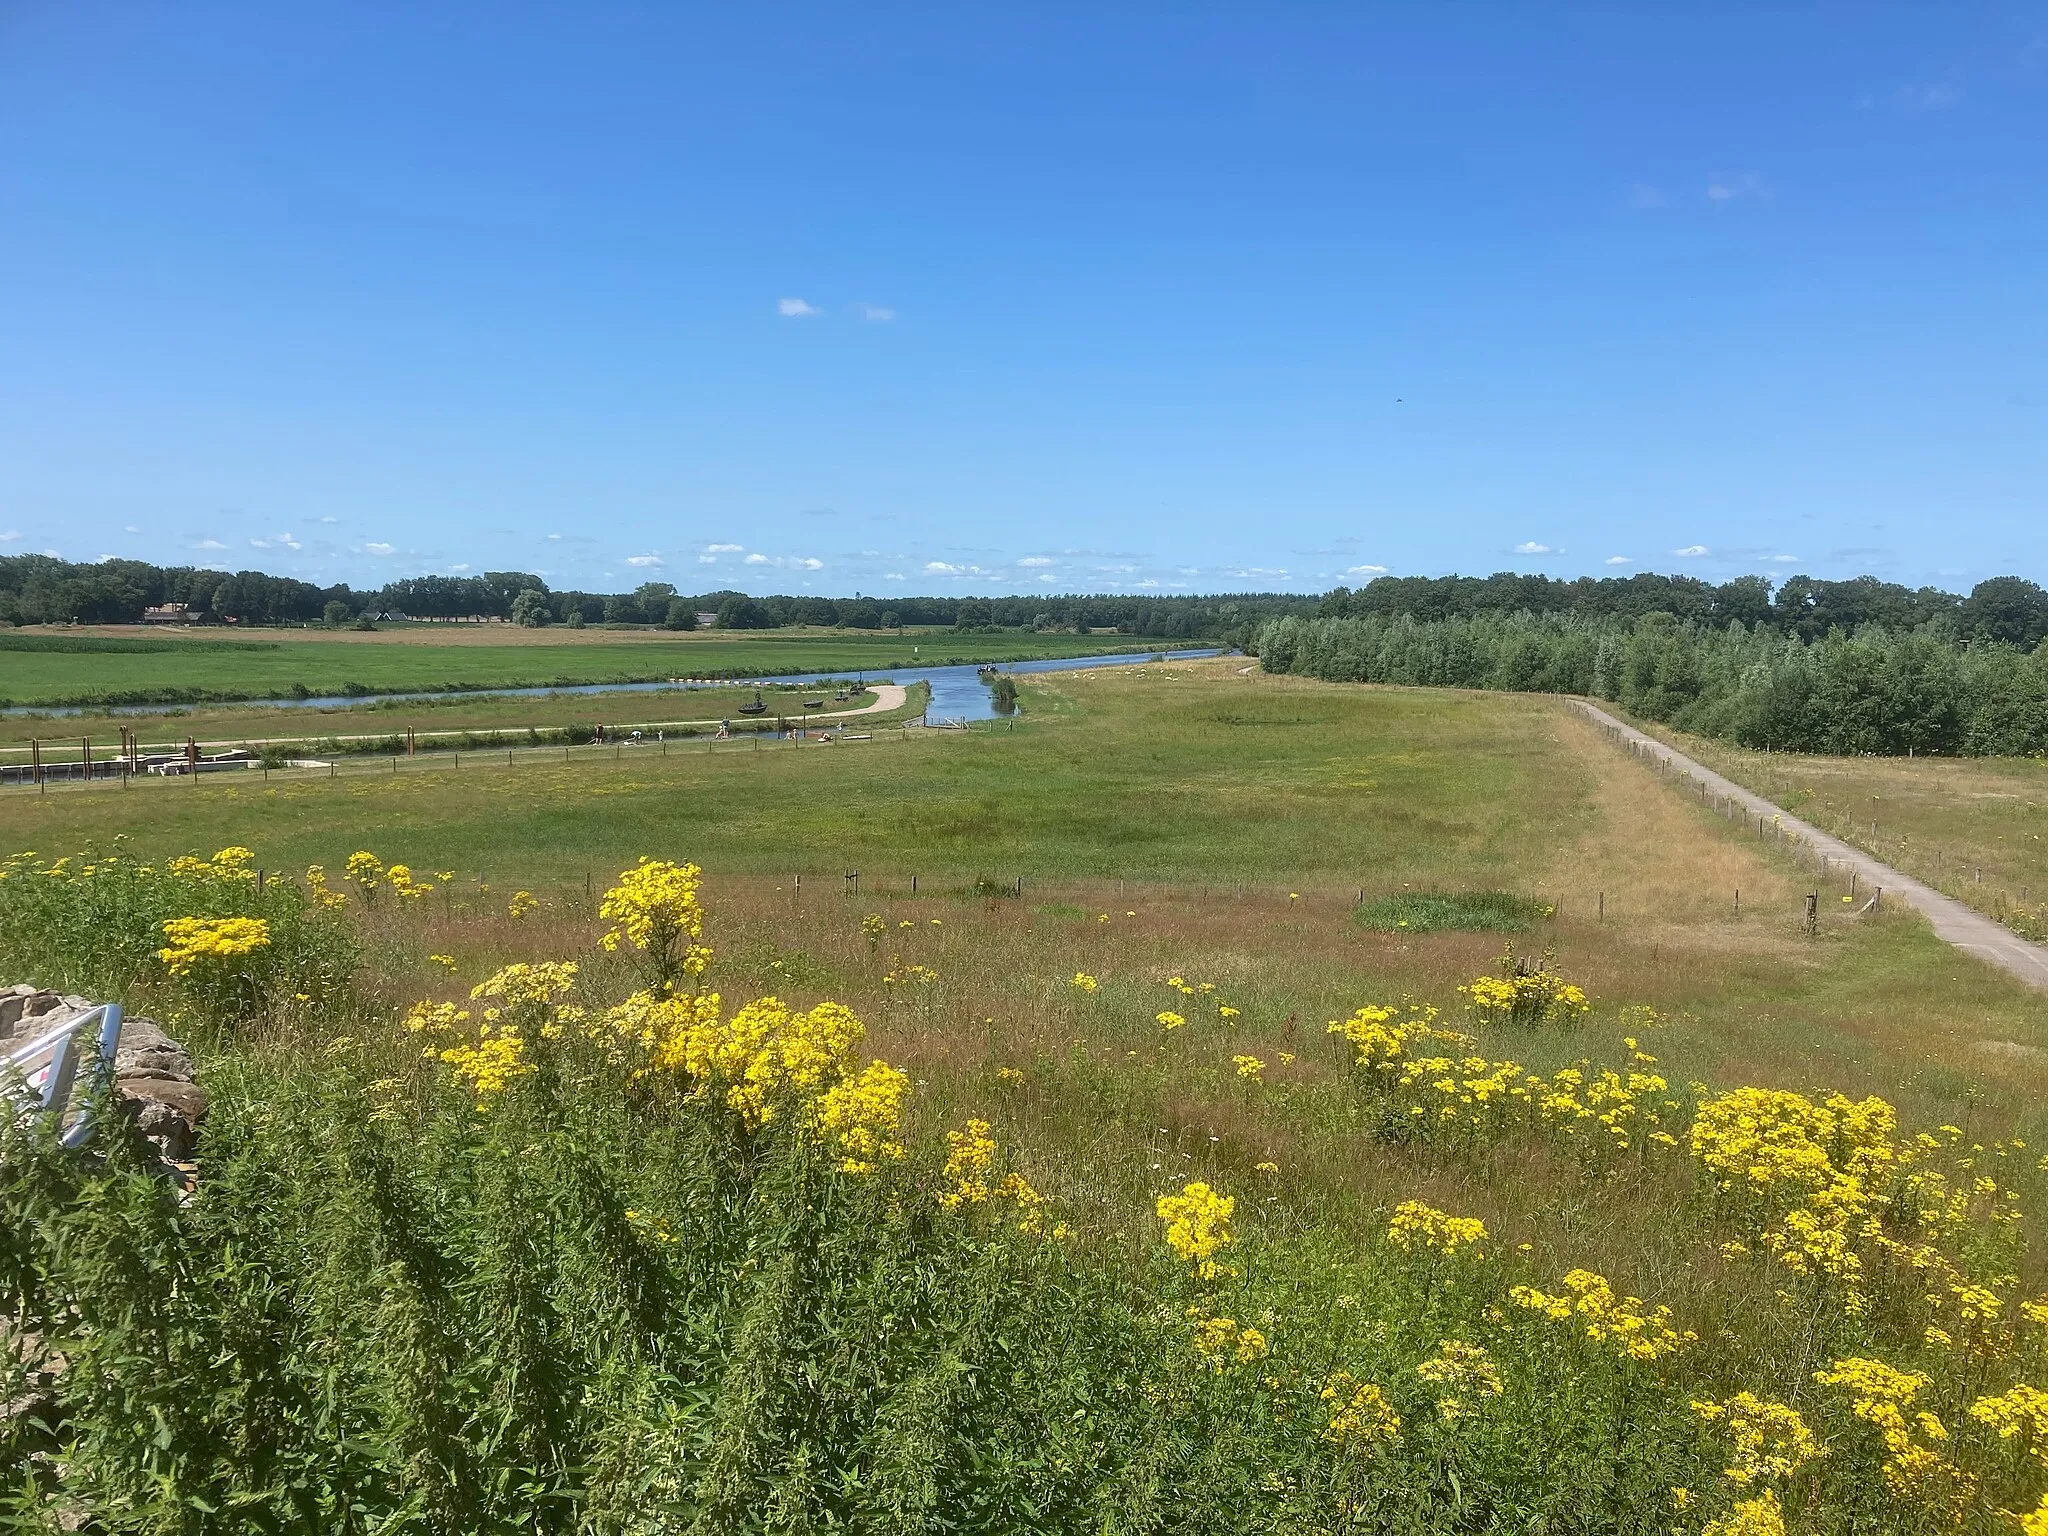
534,1255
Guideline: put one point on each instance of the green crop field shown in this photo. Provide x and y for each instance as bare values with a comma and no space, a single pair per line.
63,667
1112,933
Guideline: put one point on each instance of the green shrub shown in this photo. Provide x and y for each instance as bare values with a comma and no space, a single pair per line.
1463,911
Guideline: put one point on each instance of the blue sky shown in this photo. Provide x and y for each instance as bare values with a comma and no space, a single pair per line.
974,298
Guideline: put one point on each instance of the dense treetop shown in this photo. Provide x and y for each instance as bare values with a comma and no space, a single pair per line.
39,589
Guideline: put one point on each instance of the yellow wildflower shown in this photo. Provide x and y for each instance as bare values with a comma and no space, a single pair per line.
1198,1225
1771,1439
195,941
1419,1226
1462,1371
1361,1417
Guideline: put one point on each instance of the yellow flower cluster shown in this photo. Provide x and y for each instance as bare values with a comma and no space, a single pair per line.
864,1116
765,1055
1249,1067
1760,1516
1221,1341
403,885
1380,1038
873,926
522,904
970,1160
1083,982
1879,1395
364,870
1169,1020
1419,1226
1361,1417
230,864
191,942
2020,1412
1525,994
542,982
908,974
490,1061
1819,1181
1461,1372
1618,1321
1198,1225
323,894
1771,1439
654,908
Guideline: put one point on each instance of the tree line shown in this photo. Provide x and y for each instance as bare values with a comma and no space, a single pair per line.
40,589
1952,685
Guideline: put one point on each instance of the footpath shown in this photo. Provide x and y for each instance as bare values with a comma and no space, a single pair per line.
1968,930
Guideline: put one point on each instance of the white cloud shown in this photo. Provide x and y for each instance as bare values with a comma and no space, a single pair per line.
810,564
554,538
330,519
1781,559
1533,548
795,309
1034,561
284,539
875,312
1691,551
209,544
1619,560
644,560
707,559
1643,195
463,567
1365,570
1047,576
131,528
940,568
375,548
1725,187
11,536
756,560
893,576
723,549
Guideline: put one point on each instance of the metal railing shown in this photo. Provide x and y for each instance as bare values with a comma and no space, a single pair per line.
47,1068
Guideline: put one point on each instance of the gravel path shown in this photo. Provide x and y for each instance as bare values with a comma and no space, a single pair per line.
1968,930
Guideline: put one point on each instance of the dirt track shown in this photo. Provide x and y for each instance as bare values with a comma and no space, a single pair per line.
1967,930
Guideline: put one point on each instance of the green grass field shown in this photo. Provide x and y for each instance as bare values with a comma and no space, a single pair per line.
203,666
1975,828
1164,829
439,721
1188,781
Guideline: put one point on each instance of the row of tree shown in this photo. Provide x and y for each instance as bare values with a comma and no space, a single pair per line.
39,589
2007,608
1876,690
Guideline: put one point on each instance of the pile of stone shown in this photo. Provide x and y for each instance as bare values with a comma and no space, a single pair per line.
152,1072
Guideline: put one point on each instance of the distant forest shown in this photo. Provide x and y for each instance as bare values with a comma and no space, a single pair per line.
36,589
1839,667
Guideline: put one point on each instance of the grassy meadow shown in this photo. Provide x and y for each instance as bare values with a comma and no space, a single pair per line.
122,666
1050,921
453,721
1975,828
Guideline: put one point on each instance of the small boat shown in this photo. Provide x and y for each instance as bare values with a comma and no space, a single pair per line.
755,708
839,697
814,703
